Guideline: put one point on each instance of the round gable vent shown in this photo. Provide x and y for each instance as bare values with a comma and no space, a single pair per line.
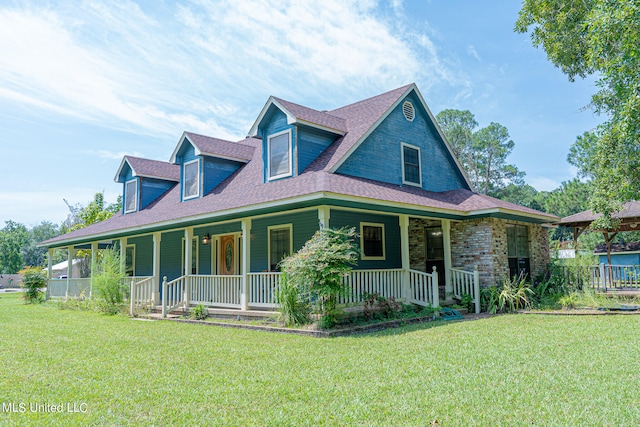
408,111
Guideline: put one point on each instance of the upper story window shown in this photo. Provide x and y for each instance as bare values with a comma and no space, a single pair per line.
131,196
411,173
279,154
372,241
191,180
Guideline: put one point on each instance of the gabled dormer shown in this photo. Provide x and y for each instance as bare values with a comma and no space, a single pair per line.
293,136
144,181
205,162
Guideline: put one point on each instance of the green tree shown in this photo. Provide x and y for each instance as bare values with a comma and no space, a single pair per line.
96,210
523,195
33,255
601,38
13,237
482,153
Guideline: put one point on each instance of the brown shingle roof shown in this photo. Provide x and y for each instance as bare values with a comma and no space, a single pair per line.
630,210
153,168
321,118
221,148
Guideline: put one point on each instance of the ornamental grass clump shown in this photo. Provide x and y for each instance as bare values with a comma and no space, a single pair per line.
109,282
317,269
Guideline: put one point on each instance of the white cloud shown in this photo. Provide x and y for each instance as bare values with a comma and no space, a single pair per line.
113,155
542,183
196,65
471,50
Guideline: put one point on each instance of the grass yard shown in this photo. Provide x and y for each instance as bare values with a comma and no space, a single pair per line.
507,370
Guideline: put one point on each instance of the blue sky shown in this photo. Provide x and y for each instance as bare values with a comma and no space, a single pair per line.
84,82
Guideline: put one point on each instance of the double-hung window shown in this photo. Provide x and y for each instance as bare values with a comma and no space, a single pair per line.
280,242
279,152
411,171
131,196
191,180
372,241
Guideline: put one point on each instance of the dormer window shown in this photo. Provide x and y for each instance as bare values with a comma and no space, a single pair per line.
191,180
279,153
411,171
131,196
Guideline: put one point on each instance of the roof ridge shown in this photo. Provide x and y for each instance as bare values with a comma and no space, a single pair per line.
399,89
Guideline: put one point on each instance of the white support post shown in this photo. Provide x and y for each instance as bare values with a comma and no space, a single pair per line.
188,255
406,260
49,270
446,241
157,238
436,291
476,288
94,254
123,254
164,296
246,263
603,277
70,256
324,214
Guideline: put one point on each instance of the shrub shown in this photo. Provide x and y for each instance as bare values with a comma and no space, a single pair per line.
468,302
514,294
294,309
318,268
109,282
33,281
377,306
199,312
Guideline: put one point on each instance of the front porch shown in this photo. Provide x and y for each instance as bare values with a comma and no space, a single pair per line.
257,291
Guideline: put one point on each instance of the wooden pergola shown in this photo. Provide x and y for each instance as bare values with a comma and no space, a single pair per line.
629,218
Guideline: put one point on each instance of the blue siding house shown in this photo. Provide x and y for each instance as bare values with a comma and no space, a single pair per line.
211,225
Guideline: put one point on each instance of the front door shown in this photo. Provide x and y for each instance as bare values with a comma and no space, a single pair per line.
434,250
227,255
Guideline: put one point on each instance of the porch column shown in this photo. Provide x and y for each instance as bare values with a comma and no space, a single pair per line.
50,263
406,261
49,270
246,263
70,255
188,255
157,238
123,254
94,254
446,242
324,213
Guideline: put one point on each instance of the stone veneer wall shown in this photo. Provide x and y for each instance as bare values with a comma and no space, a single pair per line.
483,242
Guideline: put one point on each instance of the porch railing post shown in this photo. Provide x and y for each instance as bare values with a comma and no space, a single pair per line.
434,286
164,296
476,287
131,298
603,278
406,260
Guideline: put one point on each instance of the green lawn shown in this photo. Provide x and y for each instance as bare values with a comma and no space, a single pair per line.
507,370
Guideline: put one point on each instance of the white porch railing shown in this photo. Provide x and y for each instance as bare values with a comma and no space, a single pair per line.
173,294
466,282
221,291
263,289
68,288
142,293
424,288
386,283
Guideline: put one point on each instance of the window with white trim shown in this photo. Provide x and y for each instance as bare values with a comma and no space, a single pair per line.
280,244
372,241
191,180
411,170
131,196
279,155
